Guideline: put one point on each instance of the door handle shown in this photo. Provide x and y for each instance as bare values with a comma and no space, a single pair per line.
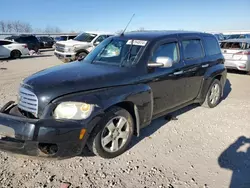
178,72
204,66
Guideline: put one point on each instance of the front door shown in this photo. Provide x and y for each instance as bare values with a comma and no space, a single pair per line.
167,84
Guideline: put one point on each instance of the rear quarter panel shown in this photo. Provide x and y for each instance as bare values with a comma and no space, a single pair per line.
212,72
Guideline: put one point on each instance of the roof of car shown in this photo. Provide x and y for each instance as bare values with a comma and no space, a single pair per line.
99,32
17,36
150,35
238,40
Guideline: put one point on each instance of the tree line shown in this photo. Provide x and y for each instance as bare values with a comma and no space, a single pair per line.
25,27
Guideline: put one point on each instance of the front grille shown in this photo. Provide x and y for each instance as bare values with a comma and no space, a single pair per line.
60,47
28,101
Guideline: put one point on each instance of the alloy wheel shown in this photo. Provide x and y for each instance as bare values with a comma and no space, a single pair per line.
115,134
215,94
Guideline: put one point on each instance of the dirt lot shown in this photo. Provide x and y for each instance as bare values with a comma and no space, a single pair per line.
187,152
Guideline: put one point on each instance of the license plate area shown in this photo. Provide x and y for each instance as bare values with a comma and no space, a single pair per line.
228,56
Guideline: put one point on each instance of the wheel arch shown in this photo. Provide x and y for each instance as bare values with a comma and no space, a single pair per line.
216,72
82,50
133,110
136,99
15,50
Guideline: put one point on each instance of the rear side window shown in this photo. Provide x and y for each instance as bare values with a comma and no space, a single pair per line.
101,38
192,49
32,39
167,50
20,40
211,45
72,37
5,42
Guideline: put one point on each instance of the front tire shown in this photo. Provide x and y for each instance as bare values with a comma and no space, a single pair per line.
15,54
113,134
81,55
214,94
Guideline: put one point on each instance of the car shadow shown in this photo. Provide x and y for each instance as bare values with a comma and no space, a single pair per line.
227,89
233,71
159,122
24,57
47,49
237,159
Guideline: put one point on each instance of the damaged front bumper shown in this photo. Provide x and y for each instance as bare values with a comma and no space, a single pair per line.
41,137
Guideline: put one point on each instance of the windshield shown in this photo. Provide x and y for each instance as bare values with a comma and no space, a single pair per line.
219,37
85,37
234,37
62,38
117,52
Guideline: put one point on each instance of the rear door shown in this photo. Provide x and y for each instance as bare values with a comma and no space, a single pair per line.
213,52
5,48
193,57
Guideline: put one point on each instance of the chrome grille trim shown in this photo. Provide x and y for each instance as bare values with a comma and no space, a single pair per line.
60,47
28,101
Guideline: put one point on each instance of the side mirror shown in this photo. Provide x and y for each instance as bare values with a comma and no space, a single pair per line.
163,62
96,43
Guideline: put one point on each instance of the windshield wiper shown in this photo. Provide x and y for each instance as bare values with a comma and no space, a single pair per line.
127,54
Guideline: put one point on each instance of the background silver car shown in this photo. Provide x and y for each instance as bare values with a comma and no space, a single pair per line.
237,54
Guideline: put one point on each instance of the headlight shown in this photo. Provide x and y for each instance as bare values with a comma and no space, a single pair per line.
69,49
73,110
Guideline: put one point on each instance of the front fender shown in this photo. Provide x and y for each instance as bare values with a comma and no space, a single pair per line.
140,95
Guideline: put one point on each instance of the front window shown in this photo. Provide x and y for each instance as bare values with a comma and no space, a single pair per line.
63,38
117,52
85,37
166,50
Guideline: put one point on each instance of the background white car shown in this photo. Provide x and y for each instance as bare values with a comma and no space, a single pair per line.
12,49
236,53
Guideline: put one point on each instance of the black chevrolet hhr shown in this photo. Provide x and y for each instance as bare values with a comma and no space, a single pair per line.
120,87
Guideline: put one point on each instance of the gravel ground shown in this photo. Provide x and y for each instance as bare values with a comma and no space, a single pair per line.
168,154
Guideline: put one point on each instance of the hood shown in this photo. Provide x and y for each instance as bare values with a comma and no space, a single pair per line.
75,77
72,43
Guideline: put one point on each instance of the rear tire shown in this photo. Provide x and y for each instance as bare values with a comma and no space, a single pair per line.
113,134
214,94
15,54
36,49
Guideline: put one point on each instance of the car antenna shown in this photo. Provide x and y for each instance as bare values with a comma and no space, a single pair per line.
127,25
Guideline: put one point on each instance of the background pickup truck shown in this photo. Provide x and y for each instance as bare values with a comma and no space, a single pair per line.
120,87
80,46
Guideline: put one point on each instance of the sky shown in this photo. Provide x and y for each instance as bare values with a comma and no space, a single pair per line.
111,15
